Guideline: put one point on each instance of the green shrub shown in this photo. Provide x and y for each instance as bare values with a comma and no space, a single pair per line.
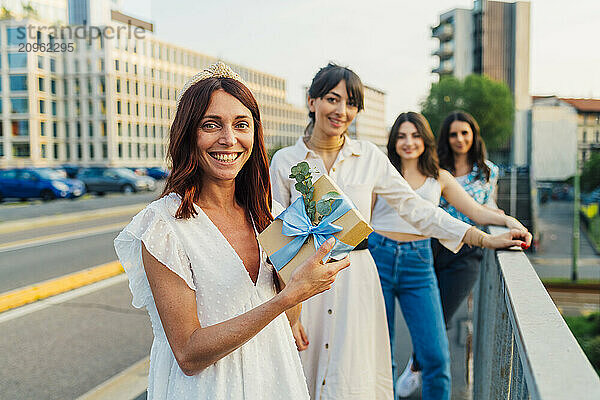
587,332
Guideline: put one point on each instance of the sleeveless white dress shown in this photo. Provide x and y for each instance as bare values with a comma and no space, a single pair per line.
267,366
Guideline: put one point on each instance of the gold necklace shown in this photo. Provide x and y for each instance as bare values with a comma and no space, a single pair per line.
325,145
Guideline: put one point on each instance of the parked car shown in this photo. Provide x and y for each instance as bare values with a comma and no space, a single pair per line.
71,170
102,179
158,173
44,183
591,197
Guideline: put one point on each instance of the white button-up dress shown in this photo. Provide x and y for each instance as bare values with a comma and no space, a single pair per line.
349,352
265,367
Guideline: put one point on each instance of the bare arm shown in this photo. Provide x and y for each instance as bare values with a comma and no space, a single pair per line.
463,202
196,347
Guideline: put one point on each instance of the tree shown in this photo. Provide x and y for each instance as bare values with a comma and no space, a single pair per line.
590,174
490,102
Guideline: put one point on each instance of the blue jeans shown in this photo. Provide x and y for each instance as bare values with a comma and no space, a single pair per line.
406,273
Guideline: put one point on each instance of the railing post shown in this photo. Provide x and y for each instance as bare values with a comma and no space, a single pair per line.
485,310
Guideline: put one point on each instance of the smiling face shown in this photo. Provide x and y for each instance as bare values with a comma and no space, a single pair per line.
225,137
334,111
409,143
460,137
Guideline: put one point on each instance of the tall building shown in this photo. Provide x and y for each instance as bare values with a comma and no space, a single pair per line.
491,39
54,11
108,101
91,12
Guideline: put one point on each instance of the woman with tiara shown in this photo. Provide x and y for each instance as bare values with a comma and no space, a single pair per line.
193,260
342,334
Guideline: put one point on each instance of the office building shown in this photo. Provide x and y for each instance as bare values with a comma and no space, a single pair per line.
109,101
491,39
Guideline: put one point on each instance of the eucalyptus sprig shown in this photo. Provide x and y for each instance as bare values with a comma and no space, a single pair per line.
316,210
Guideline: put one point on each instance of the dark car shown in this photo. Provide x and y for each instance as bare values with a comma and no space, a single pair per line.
101,180
44,183
158,173
71,170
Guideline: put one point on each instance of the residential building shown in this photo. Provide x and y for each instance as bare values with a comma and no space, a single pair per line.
109,101
588,127
553,139
491,39
565,133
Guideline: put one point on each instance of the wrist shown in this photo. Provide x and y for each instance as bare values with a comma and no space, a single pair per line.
284,300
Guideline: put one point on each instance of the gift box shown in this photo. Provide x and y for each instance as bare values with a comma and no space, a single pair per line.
295,238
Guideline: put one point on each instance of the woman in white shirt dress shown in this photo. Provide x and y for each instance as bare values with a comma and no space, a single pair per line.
193,260
343,334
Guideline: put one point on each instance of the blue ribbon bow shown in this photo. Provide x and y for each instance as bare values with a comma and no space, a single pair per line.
296,223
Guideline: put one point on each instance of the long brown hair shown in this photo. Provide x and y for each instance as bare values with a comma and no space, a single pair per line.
477,153
252,185
428,161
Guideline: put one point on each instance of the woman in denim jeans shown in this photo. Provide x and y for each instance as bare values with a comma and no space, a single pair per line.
404,258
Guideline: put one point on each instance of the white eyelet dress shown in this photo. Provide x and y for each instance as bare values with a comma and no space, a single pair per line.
267,366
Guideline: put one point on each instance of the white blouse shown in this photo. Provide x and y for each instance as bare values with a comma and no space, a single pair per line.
385,218
267,366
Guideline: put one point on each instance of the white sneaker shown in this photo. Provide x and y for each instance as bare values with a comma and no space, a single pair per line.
409,381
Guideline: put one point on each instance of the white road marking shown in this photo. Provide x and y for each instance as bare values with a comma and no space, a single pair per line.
60,298
61,237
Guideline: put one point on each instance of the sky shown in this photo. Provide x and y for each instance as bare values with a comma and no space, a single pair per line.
387,43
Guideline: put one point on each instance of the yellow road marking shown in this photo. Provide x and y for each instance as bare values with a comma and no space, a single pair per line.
39,291
58,237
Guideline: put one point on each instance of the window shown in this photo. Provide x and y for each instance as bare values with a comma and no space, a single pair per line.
54,131
42,106
103,128
20,150
91,150
18,82
77,87
104,150
17,60
40,61
16,36
20,128
52,65
90,108
584,137
41,85
116,61
52,86
103,107
119,129
118,85
101,86
78,129
91,129
43,128
19,106
53,104
43,151
118,106
55,151
127,86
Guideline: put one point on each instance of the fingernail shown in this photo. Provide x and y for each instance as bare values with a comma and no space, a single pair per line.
331,240
524,246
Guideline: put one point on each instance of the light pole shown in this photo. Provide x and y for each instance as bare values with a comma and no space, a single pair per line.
575,250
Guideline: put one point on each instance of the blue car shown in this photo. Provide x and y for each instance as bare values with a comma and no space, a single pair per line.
44,183
157,173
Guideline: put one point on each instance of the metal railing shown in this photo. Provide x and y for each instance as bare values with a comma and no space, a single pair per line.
523,349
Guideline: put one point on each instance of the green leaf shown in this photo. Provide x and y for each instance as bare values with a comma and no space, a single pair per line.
323,207
295,170
301,188
331,196
303,167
